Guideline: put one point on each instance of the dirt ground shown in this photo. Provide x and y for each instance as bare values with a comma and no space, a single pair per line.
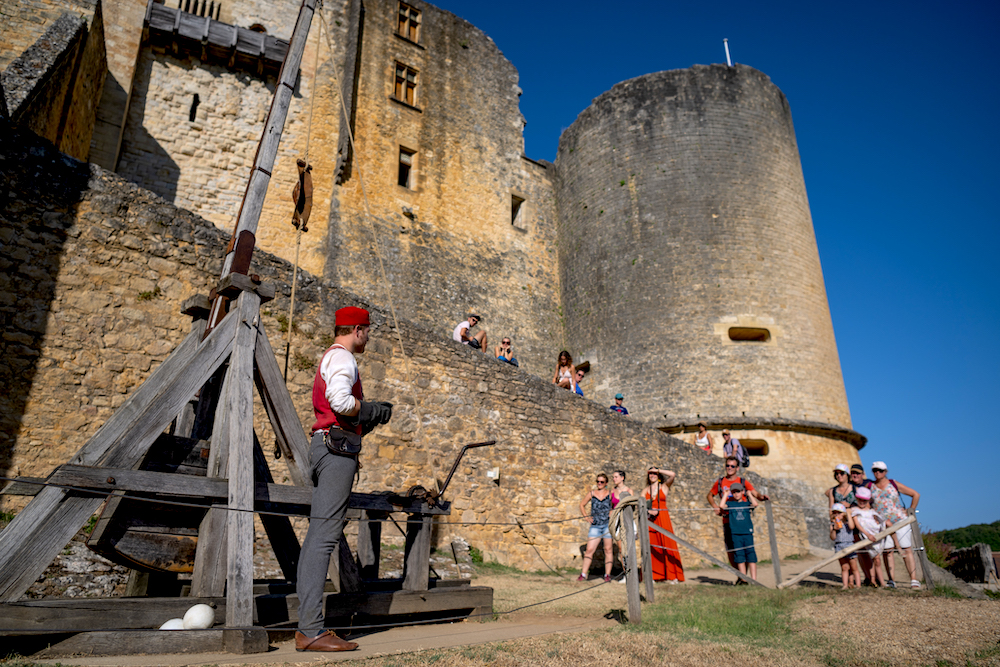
551,620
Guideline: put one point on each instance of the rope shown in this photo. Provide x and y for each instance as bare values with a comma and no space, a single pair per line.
325,29
302,223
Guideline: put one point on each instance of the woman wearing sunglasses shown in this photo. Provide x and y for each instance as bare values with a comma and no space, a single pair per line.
599,516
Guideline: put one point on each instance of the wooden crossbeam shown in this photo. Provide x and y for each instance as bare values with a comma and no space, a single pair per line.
285,498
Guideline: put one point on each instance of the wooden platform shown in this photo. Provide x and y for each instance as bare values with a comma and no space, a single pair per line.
59,627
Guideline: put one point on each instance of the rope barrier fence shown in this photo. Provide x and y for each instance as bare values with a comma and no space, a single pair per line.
617,521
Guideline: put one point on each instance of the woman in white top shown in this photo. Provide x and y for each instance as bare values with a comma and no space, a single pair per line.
565,375
703,439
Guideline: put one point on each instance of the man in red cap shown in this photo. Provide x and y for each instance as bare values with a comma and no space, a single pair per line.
342,418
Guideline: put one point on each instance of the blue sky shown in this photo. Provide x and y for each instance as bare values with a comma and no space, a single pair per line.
895,107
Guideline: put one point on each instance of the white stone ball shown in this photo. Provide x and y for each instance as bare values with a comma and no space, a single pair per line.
199,617
173,624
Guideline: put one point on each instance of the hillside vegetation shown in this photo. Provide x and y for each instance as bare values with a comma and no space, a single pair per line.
958,538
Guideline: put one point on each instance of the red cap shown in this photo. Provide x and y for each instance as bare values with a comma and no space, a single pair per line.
351,316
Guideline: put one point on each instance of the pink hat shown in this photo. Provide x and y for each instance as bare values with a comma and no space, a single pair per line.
863,493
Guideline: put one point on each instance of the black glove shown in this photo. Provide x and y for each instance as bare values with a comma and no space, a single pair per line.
373,413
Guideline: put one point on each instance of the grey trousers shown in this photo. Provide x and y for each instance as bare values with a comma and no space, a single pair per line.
332,477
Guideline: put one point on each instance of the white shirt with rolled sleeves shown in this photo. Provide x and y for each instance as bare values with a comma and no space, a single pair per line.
339,370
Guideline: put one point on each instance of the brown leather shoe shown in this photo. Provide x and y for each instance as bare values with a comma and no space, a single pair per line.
328,641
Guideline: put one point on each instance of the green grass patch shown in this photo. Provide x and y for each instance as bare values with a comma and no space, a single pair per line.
714,612
490,567
946,591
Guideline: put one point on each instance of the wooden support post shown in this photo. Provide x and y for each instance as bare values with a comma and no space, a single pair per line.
845,552
918,544
632,571
416,566
646,552
209,576
238,411
772,535
370,542
285,421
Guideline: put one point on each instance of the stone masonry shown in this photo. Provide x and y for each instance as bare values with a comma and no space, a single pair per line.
95,269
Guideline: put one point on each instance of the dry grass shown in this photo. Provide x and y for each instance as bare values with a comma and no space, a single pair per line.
707,626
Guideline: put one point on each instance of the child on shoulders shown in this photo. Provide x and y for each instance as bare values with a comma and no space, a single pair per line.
739,505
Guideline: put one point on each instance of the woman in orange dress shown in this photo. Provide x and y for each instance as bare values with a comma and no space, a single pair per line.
666,558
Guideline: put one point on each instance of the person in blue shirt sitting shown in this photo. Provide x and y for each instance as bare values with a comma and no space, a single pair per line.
505,353
618,407
579,379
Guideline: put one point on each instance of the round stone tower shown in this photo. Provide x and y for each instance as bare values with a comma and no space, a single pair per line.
690,273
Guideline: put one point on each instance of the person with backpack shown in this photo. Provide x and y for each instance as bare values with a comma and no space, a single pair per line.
887,500
715,494
732,447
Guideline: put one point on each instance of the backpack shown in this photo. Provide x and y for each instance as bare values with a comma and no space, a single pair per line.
742,455
745,458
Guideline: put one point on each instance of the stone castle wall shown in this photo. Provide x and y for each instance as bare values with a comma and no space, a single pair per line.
683,212
448,240
203,164
95,269
23,22
54,86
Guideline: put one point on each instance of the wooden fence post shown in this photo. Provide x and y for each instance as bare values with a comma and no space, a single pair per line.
775,556
646,552
918,544
632,572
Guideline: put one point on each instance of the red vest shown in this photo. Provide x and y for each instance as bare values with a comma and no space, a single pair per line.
325,416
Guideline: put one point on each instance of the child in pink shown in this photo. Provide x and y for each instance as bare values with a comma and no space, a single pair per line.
868,524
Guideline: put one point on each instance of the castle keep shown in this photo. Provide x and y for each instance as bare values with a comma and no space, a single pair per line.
670,244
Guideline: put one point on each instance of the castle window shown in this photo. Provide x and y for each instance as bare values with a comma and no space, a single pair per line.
515,211
755,447
749,335
408,25
194,108
405,177
406,84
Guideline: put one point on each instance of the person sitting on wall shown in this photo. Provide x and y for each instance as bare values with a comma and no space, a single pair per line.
463,333
579,378
565,375
505,353
618,407
732,447
703,439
